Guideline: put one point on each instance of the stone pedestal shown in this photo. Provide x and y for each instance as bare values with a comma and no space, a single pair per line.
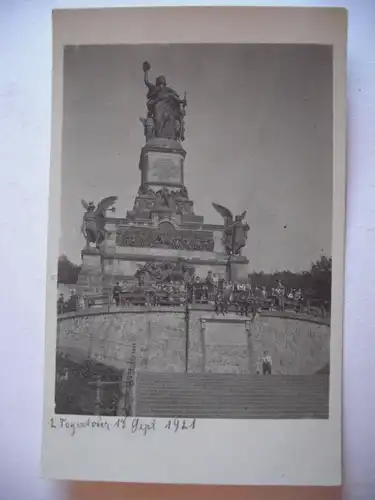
239,269
91,275
91,260
162,164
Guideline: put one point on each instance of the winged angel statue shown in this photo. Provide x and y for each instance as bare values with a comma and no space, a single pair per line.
235,230
93,223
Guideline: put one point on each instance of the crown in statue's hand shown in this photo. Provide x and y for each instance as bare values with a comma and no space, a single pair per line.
146,66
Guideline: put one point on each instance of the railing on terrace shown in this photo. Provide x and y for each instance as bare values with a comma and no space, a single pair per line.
223,299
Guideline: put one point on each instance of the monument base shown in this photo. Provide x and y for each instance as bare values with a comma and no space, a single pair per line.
102,270
161,164
91,276
161,235
239,269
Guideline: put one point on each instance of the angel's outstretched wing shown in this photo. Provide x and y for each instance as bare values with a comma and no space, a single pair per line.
224,212
85,204
105,204
242,216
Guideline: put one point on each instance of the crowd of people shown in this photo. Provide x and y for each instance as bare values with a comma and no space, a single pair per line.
247,299
71,304
224,295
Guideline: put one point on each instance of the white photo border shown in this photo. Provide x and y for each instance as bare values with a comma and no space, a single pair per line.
219,452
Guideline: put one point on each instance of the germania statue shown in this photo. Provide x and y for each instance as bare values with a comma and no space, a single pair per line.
93,223
235,230
165,109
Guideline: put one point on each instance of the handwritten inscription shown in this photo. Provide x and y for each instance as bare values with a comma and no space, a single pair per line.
131,425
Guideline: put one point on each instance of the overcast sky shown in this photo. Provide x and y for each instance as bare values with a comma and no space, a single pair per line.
258,138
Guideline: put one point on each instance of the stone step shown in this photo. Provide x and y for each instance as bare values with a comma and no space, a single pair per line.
154,388
266,415
222,377
233,413
254,404
200,405
239,387
158,392
196,403
231,396
239,383
271,385
191,410
251,400
217,393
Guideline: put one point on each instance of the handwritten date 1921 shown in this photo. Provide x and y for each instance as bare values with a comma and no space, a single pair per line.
176,425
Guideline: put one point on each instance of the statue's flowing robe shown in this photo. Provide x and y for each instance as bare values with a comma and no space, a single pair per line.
89,221
166,107
240,237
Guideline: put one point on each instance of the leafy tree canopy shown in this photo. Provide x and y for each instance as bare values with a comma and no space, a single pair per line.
67,272
315,283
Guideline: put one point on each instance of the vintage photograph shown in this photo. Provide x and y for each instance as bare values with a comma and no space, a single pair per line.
195,251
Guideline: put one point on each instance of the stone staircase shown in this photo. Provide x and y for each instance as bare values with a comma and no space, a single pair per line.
194,395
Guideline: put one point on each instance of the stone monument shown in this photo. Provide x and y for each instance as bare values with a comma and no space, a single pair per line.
162,229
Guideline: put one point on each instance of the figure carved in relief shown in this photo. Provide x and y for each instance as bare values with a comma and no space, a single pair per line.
164,272
164,199
184,192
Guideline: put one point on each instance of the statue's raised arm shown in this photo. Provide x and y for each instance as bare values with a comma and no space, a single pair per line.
146,68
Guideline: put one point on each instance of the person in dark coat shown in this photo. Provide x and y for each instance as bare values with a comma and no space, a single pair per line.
60,304
116,293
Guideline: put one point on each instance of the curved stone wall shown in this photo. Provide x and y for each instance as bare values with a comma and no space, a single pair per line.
108,337
298,345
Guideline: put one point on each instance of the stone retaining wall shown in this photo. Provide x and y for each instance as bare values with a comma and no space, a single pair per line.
230,344
107,337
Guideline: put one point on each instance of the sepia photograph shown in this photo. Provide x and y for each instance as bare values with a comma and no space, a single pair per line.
194,270
196,238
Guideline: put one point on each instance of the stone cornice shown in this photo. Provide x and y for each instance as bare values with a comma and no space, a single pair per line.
213,227
212,318
103,311
218,260
173,147
123,221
